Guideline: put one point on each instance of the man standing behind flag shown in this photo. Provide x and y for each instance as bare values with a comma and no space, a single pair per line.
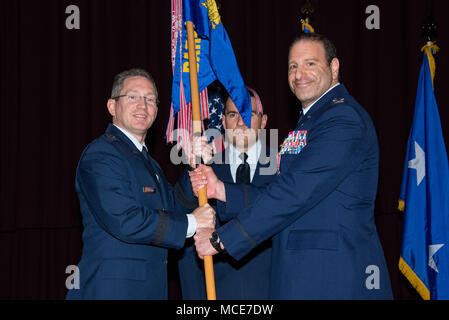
320,208
425,194
242,162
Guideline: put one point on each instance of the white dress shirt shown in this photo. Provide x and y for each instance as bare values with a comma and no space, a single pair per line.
235,160
304,110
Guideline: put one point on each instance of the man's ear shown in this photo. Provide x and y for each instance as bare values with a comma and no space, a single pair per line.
263,124
111,104
335,67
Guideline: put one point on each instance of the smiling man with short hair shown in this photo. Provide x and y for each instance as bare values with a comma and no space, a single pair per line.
130,213
320,207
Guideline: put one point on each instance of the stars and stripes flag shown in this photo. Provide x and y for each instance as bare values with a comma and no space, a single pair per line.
425,194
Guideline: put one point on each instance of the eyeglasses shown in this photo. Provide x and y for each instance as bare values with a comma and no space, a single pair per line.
236,116
133,98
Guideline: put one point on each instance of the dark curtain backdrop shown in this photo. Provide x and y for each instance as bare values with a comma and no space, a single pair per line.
55,82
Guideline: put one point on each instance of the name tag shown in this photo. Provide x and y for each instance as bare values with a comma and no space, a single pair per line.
149,190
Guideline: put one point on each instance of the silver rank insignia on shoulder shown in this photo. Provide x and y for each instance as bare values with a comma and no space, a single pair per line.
338,100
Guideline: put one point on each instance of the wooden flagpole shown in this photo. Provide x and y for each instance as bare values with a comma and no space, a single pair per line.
202,195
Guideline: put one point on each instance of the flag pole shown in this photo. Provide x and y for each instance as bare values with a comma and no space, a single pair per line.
202,195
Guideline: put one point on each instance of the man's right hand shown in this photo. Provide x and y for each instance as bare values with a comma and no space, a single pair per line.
205,217
204,176
199,148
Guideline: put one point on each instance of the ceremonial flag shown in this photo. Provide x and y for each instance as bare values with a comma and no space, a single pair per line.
183,108
215,60
425,194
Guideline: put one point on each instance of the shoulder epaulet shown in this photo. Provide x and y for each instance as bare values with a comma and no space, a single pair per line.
110,137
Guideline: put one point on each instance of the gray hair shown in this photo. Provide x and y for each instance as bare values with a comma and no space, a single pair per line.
117,85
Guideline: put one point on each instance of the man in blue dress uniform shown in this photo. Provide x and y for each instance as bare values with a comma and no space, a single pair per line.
320,208
130,214
242,162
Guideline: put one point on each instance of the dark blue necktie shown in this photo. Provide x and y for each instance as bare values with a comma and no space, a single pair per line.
299,120
243,171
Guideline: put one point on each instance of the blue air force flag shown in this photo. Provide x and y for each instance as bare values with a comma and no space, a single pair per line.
425,194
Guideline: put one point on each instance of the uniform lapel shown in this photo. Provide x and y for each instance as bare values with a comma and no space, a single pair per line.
151,165
336,93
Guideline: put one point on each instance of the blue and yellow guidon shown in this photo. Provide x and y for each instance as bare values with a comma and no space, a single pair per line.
185,65
212,12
